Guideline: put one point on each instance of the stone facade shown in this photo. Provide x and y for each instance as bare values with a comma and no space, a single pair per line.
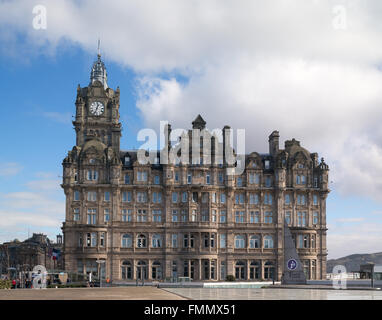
165,221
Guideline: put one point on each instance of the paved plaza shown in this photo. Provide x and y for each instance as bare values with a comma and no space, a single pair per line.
153,293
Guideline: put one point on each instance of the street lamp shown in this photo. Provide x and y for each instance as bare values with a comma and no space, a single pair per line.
99,273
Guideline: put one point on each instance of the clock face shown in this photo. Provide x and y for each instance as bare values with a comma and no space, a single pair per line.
97,108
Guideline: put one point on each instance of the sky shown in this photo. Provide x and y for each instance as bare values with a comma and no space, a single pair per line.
309,69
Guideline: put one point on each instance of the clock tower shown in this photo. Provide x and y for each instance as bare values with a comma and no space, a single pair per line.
97,110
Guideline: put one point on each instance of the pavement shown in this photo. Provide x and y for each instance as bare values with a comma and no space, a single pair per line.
115,293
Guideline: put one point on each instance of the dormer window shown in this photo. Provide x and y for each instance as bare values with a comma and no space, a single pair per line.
300,166
127,160
254,165
267,164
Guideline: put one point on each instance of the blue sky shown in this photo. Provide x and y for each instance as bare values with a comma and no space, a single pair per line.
325,93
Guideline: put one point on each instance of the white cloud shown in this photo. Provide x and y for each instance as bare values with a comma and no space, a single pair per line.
9,169
64,118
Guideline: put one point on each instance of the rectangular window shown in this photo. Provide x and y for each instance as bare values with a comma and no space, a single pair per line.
222,216
189,178
268,217
221,178
141,215
267,164
301,219
176,176
252,217
287,199
205,216
174,197
92,196
142,175
315,200
156,180
91,218
76,214
204,197
127,179
102,239
239,216
239,181
142,197
213,197
253,198
223,240
92,175
268,182
315,217
184,196
194,197
107,196
315,182
174,215
208,179
157,197
126,196
124,215
76,196
222,198
193,216
184,215
213,216
93,239
157,215
174,240
267,198
288,217
106,215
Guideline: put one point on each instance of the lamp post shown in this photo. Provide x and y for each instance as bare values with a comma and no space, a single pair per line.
99,273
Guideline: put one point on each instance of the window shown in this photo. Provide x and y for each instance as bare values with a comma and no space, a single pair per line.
254,242
315,182
184,196
223,240
239,216
254,178
253,198
174,197
141,215
267,164
157,215
92,175
315,217
204,197
142,176
222,271
213,216
157,197
127,179
208,179
141,241
315,200
239,181
174,240
92,196
287,199
268,242
127,160
301,219
303,241
126,241
189,178
313,241
76,214
213,197
127,215
205,215
194,197
76,196
93,239
206,240
268,181
174,215
239,198
192,241
222,198
184,215
141,197
267,198
92,214
268,217
126,270
252,217
102,239
185,241
288,217
301,199
156,180
106,196
156,241
106,215
212,240
223,216
176,176
300,179
126,196
221,178
239,241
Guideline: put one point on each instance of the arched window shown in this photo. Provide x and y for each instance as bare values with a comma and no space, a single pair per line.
141,241
156,241
268,242
254,270
142,269
126,270
156,270
240,270
268,270
239,242
126,241
254,242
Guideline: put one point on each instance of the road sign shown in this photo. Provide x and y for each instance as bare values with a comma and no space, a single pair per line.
292,264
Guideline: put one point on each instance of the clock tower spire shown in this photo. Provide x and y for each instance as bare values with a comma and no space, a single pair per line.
97,110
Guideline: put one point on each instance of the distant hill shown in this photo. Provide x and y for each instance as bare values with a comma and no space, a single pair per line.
353,261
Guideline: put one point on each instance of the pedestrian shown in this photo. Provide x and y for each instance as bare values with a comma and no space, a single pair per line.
13,284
